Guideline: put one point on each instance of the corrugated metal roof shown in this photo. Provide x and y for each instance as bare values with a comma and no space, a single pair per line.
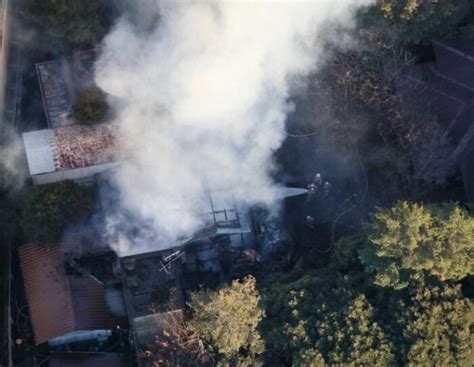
86,359
56,99
38,151
58,303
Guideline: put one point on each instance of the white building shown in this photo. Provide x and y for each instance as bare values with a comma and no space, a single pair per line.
70,152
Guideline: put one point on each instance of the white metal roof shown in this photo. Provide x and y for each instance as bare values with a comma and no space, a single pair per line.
39,153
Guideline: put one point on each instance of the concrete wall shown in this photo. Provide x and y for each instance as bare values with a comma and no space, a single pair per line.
77,174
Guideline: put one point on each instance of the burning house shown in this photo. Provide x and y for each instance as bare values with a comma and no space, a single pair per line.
160,282
69,152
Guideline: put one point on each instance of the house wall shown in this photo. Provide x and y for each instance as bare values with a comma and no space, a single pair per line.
77,174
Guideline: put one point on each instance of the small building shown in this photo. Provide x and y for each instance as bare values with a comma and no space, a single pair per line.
70,152
56,99
64,307
60,81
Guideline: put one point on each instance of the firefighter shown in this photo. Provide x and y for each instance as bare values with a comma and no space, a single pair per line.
327,188
317,180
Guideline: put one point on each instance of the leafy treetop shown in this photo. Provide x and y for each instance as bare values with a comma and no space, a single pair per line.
432,325
410,241
319,320
227,319
90,106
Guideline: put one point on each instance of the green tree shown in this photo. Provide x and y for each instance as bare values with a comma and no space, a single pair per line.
227,319
322,320
432,325
49,209
77,21
410,241
419,21
90,106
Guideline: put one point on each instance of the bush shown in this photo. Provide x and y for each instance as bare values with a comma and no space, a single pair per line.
49,209
90,107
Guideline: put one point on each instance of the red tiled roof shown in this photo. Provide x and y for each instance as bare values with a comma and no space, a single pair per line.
85,359
78,146
47,291
58,303
88,297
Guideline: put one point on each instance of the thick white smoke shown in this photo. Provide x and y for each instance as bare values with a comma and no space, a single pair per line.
13,171
201,98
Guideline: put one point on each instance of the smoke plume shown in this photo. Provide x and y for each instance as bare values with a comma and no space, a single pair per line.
13,172
201,91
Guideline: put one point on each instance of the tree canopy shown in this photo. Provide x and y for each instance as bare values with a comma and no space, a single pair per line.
410,241
49,209
435,323
90,106
77,21
419,21
227,319
320,320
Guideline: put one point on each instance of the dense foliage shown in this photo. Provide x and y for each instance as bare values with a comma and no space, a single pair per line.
77,21
227,320
318,320
90,106
49,209
433,325
420,21
410,241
